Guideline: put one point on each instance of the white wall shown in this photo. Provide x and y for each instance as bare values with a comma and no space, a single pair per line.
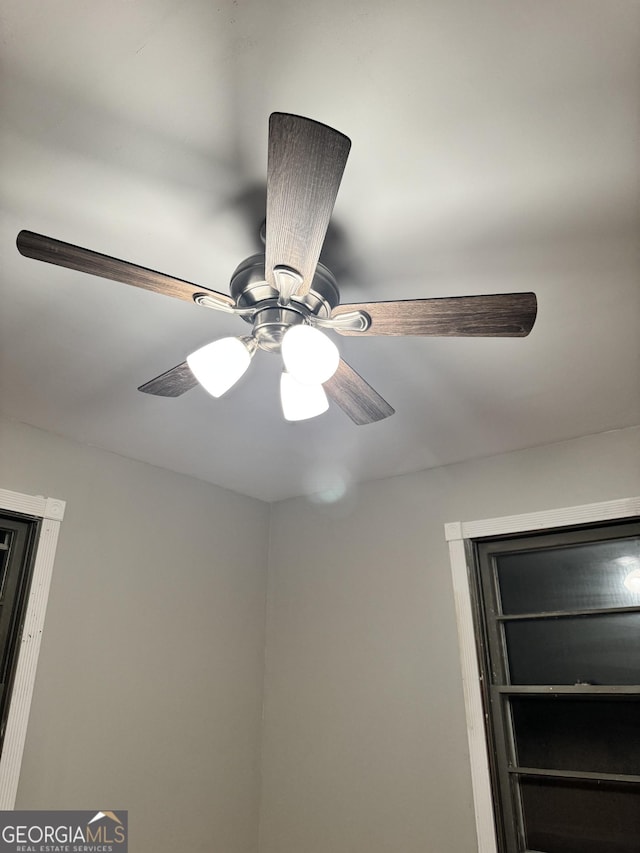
364,743
149,686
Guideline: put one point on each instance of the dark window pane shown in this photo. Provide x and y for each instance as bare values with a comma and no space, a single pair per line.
578,577
575,650
576,733
581,817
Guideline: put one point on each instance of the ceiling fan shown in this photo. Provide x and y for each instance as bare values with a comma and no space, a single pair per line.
289,298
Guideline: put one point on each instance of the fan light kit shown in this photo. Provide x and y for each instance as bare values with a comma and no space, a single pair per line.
290,299
219,365
301,401
309,355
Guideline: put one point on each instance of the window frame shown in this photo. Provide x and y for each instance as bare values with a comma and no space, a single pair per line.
49,512
460,537
16,570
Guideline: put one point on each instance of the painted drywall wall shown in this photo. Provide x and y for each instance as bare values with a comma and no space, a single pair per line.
364,747
149,686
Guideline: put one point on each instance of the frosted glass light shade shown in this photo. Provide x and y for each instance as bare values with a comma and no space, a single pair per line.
301,401
309,355
219,365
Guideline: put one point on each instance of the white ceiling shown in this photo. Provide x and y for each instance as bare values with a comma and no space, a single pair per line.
495,149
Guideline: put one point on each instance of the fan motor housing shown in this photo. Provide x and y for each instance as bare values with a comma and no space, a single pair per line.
270,320
249,287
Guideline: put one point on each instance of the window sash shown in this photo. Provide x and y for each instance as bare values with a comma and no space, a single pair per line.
495,673
460,536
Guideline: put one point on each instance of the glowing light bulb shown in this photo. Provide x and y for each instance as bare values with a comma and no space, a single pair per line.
309,355
632,581
301,401
219,365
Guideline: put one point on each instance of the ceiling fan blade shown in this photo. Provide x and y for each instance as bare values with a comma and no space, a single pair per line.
67,255
510,315
172,383
356,397
305,166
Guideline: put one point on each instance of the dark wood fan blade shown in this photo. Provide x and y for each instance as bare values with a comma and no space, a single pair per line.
172,383
510,315
52,251
305,166
356,397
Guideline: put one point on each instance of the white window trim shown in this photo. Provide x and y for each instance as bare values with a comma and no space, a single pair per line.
458,533
51,512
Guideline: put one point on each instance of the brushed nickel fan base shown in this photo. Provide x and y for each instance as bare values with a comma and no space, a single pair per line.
249,286
271,323
273,310
261,304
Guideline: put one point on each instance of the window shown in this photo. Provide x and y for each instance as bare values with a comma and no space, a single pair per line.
17,537
43,517
558,617
462,537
